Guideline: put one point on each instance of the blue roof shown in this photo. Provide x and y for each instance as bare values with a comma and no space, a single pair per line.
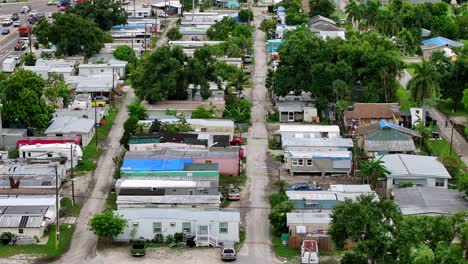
154,164
131,26
441,41
281,8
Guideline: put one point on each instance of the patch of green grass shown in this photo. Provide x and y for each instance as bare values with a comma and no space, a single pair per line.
410,68
153,42
464,41
91,153
156,245
404,99
460,110
241,240
278,158
67,208
272,144
441,148
45,251
283,251
111,201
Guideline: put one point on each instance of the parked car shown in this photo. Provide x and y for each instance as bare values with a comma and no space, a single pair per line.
236,141
102,98
228,253
247,69
138,247
303,186
247,58
5,31
33,13
16,24
40,14
124,2
62,9
275,63
52,2
234,193
95,103
15,17
25,9
7,22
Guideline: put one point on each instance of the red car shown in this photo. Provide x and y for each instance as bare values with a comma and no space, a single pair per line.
62,8
236,141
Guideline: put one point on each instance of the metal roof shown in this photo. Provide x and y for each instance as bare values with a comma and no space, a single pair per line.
179,214
308,218
201,166
31,170
27,201
175,153
429,201
144,140
311,195
169,199
21,221
441,41
127,183
308,128
409,166
406,145
350,188
319,154
317,142
67,125
135,165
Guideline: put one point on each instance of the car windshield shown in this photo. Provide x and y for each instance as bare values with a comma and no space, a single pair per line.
228,251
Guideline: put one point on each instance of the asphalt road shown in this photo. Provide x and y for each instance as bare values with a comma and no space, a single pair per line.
8,42
257,247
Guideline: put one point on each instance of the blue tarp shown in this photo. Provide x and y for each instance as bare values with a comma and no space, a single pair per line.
154,164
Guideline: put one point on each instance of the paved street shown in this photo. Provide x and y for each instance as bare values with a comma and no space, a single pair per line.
257,248
84,241
8,42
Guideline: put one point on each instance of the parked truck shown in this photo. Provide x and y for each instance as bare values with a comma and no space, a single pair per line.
9,64
309,252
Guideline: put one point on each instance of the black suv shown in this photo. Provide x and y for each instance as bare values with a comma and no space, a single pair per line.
15,17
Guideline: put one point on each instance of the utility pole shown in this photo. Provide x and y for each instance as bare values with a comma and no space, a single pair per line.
71,174
193,10
451,137
132,40
134,8
57,231
145,36
238,155
95,123
113,86
30,39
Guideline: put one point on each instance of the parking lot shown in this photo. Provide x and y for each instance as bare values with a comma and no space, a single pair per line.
162,255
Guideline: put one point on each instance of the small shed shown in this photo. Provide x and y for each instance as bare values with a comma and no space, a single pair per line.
72,127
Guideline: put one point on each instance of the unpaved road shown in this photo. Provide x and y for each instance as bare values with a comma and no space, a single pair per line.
257,247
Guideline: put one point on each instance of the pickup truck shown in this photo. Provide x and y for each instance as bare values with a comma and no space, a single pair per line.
138,248
20,45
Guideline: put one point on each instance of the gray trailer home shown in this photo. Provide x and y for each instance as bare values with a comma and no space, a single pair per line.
318,162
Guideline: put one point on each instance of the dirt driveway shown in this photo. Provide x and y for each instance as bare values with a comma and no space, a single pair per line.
160,256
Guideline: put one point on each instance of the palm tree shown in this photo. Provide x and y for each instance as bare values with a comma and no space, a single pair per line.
387,22
238,80
280,185
373,170
354,12
425,82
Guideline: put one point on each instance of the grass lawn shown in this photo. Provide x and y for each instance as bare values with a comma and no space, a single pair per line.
91,153
111,201
464,41
459,109
442,147
283,251
404,99
48,250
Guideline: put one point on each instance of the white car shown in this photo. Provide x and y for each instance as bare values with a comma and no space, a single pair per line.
16,24
162,14
33,13
25,9
7,22
124,2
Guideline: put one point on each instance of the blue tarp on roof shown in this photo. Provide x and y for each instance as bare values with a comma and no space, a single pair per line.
154,164
131,26
441,41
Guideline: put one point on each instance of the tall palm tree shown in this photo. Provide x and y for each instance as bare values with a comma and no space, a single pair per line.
354,12
425,82
238,80
371,171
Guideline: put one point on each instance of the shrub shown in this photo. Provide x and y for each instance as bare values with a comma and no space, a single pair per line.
169,238
178,237
159,238
405,184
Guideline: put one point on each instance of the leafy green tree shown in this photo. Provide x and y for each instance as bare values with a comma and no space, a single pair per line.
22,100
105,13
204,112
268,26
173,34
278,218
59,88
354,12
238,110
425,82
205,91
424,255
107,225
387,23
296,18
42,32
277,198
28,59
238,80
322,7
465,98
407,41
72,35
281,185
222,29
125,53
176,127
245,15
135,109
372,170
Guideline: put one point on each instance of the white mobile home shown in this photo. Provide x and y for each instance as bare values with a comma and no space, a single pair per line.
312,162
210,227
309,131
48,151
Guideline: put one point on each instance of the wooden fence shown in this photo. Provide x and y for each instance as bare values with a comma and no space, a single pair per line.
324,242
